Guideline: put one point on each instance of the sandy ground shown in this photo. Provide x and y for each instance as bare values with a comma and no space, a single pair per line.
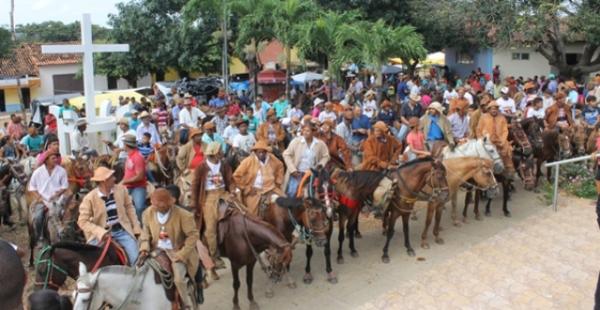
363,279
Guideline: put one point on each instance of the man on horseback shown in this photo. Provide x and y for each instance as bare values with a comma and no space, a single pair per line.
108,211
48,183
380,151
134,177
174,231
336,145
435,126
494,124
258,176
303,154
212,181
271,131
559,115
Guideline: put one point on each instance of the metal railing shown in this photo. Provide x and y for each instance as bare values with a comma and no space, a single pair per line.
557,164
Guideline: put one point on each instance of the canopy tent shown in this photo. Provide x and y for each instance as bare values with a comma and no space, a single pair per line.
438,58
307,77
112,96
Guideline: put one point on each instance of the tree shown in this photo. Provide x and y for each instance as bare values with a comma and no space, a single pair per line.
548,26
55,31
5,42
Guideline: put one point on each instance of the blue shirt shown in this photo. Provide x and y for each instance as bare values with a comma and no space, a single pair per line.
553,86
175,115
216,138
33,144
403,90
362,122
590,114
217,102
388,117
145,149
134,123
435,132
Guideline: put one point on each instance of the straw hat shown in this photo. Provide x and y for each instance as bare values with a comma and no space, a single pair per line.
209,125
261,145
80,122
329,123
123,120
195,132
370,93
101,174
381,126
528,85
144,114
414,97
436,106
318,101
493,104
213,148
188,96
129,140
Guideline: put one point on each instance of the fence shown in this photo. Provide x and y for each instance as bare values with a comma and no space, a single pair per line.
557,164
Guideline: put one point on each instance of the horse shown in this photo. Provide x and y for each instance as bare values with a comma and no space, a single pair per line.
481,147
161,163
17,185
579,139
57,262
241,237
234,157
12,277
474,172
419,179
306,220
557,146
79,172
522,154
533,128
49,299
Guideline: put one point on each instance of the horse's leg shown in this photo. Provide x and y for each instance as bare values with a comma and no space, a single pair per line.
405,222
249,278
341,221
505,197
468,198
308,278
549,174
488,204
391,222
476,205
331,277
430,210
453,201
352,229
32,240
436,226
235,271
357,233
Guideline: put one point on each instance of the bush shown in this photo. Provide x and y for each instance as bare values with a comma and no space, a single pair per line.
576,179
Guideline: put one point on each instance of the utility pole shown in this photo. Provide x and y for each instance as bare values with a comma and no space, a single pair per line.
14,39
12,20
225,48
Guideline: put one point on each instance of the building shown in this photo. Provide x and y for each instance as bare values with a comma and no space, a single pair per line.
46,75
524,61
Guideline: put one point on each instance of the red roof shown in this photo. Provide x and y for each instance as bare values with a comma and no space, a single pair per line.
270,76
26,58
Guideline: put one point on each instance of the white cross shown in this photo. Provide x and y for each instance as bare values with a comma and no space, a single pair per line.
88,49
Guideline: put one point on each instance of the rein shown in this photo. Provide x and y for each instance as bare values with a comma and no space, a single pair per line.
420,195
103,254
163,169
470,184
50,267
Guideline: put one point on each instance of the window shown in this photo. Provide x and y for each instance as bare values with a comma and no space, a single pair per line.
520,56
112,82
464,58
572,58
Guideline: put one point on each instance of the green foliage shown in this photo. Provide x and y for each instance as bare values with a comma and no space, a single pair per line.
55,31
5,42
576,179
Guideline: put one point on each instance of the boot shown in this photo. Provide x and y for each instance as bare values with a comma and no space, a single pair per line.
199,277
598,210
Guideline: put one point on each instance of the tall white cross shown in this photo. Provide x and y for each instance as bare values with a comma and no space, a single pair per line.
87,48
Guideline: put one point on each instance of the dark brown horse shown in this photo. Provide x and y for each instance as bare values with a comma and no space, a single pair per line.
557,146
522,154
59,261
234,157
12,277
241,238
161,163
420,179
533,128
306,220
79,172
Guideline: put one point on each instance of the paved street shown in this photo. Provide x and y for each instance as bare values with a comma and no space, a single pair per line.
536,259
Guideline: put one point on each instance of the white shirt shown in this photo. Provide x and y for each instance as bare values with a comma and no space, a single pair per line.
258,181
80,140
506,106
119,142
214,179
369,108
308,158
539,114
448,96
190,118
229,133
166,243
244,142
489,87
47,185
547,102
469,97
323,116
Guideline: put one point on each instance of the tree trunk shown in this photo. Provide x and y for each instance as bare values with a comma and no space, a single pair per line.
132,81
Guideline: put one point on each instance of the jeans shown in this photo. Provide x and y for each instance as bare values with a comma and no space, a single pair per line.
127,242
138,195
293,184
150,176
401,133
183,135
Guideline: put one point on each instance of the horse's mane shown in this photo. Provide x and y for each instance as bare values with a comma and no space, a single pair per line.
75,246
416,161
361,178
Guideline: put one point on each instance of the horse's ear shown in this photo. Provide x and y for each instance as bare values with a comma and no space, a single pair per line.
82,269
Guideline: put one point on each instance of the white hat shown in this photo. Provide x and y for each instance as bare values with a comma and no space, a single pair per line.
504,90
318,101
436,106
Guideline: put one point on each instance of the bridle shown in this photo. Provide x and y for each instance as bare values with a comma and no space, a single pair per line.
486,170
50,267
437,189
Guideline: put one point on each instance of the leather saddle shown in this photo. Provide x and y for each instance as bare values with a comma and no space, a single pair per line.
163,273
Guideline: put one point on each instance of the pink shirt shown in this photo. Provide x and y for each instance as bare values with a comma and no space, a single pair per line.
416,140
134,164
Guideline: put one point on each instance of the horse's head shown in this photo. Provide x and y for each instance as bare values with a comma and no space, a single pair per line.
85,288
533,130
564,144
580,139
526,169
490,152
323,186
316,219
46,274
439,183
484,176
279,259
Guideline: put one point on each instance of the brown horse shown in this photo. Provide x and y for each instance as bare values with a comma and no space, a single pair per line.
161,163
579,139
303,219
557,146
420,179
79,172
241,238
590,145
522,154
60,261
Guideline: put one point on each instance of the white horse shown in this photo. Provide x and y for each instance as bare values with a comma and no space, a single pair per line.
482,148
122,287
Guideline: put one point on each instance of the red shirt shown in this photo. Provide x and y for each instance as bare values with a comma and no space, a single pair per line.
50,121
133,165
234,110
198,157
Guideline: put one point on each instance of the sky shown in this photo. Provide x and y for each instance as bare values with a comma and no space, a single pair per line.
67,11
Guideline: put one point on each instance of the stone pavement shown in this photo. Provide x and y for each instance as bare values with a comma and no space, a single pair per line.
549,261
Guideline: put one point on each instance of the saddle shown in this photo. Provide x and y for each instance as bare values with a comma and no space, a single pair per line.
160,262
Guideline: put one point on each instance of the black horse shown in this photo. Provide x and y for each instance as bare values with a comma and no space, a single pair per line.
49,300
12,277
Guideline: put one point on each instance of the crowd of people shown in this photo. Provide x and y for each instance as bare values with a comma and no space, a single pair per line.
364,126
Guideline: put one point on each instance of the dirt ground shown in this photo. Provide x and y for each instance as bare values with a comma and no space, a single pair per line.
364,278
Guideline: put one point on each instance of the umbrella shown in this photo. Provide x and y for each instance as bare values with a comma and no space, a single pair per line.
391,70
307,77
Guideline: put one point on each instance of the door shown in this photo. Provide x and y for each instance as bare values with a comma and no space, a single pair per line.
26,94
2,101
67,84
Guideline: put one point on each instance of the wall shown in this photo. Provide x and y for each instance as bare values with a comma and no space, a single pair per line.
47,84
536,65
11,97
481,59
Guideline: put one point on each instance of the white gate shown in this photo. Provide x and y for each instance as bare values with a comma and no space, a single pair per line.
556,165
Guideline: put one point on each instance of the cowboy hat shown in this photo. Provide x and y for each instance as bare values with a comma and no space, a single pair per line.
45,155
329,123
209,125
318,101
436,106
261,145
528,85
195,132
188,96
144,114
370,92
80,122
414,97
123,120
213,148
381,126
504,90
129,140
101,174
493,104
570,84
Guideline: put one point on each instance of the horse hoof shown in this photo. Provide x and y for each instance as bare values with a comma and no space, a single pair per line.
332,278
410,252
254,305
358,235
456,224
478,217
308,278
385,259
439,240
465,220
269,293
236,307
507,214
488,213
340,260
424,245
292,285
354,254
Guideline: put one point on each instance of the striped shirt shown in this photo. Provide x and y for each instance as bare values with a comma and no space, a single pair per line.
145,149
112,217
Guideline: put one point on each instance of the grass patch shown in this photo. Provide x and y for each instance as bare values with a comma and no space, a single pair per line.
576,179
